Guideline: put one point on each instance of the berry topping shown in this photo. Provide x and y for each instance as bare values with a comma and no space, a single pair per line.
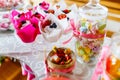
53,25
61,56
66,11
61,16
68,18
40,4
36,13
51,11
23,22
57,6
19,15
45,11
46,23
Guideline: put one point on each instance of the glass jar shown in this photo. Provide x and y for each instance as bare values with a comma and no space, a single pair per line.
92,25
60,60
112,63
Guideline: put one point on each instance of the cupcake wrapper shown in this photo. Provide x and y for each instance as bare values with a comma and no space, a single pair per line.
28,33
35,22
52,34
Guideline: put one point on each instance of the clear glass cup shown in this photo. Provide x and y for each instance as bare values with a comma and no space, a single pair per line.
112,62
60,60
92,23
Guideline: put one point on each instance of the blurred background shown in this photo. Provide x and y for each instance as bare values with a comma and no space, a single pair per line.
112,5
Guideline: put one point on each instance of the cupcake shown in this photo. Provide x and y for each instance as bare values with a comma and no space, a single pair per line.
61,60
51,28
26,25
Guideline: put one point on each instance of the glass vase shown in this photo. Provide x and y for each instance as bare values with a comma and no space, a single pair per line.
92,26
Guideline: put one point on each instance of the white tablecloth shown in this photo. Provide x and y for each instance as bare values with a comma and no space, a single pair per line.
33,53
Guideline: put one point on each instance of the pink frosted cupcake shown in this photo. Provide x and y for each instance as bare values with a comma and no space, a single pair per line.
26,25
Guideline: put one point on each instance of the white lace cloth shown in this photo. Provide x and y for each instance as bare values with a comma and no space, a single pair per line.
33,53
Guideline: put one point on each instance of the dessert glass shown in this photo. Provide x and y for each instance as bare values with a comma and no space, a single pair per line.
60,60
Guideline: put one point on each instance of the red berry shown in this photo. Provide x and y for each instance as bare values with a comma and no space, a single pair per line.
46,23
51,11
66,11
61,16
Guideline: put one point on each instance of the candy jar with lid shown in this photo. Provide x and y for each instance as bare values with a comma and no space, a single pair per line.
92,25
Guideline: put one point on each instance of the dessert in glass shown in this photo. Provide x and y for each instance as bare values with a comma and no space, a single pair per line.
60,60
14,69
26,25
92,31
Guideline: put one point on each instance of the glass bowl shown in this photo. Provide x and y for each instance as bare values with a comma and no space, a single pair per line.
60,60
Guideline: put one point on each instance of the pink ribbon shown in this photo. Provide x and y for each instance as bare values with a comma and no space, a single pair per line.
99,69
28,32
77,33
26,70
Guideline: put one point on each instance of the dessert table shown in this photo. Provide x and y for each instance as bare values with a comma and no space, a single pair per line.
33,53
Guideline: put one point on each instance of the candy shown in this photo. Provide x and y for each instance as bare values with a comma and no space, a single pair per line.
102,26
81,52
83,29
87,50
86,58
